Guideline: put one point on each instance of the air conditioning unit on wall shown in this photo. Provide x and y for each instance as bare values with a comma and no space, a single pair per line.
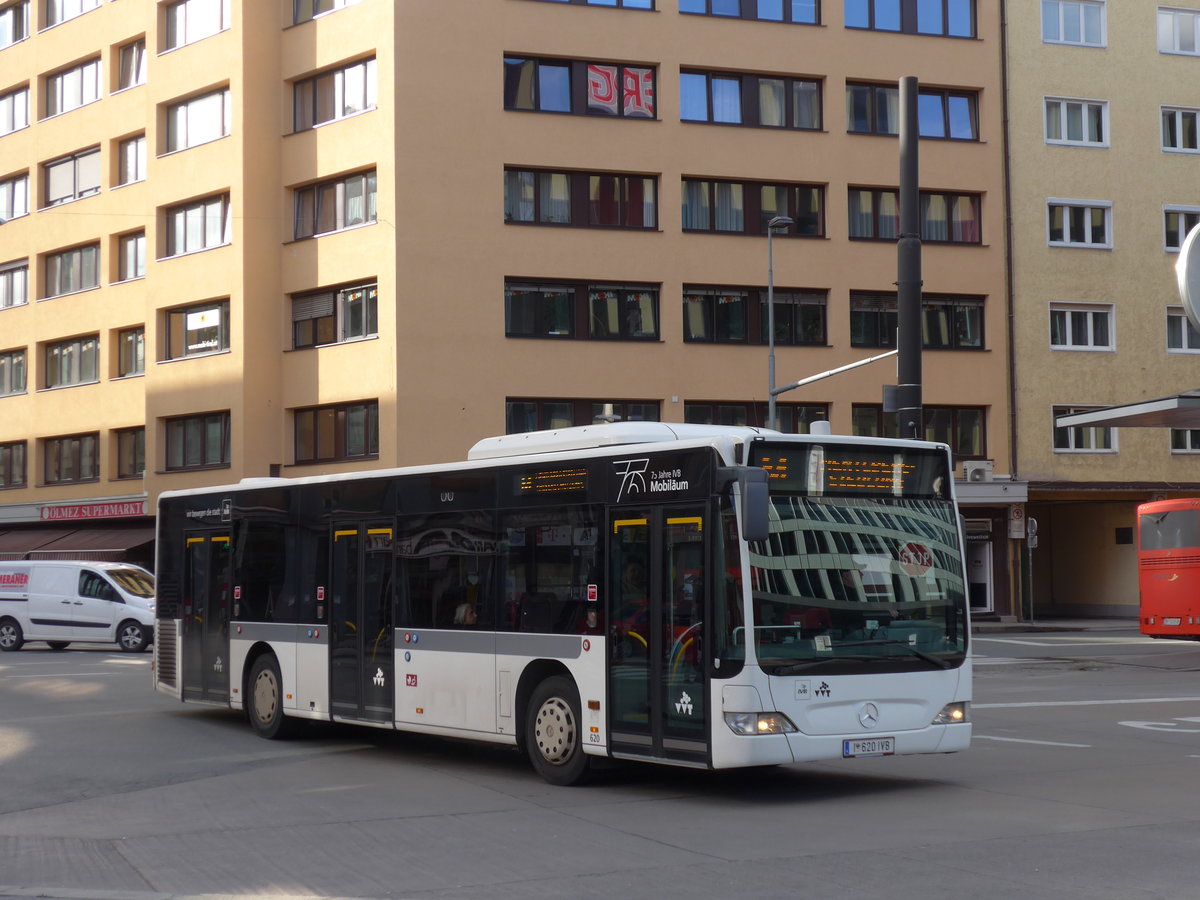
976,470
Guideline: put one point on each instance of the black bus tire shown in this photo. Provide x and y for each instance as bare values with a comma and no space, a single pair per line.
264,700
554,733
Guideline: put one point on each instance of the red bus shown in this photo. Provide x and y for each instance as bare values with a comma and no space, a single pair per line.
1169,568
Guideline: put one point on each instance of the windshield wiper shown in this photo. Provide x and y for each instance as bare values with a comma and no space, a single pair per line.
794,668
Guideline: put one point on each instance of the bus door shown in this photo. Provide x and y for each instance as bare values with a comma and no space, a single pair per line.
360,625
658,584
205,632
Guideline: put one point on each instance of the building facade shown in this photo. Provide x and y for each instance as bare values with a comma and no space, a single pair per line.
1104,157
287,238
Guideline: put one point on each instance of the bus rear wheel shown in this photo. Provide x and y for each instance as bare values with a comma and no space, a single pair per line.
264,699
554,732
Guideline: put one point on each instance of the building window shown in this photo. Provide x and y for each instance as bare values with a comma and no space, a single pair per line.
745,207
58,11
198,442
582,199
198,120
724,315
68,271
1185,440
197,330
962,427
305,10
131,452
131,160
947,322
131,256
1082,438
1074,326
1079,224
1074,22
557,310
949,18
801,12
945,114
14,111
1177,31
1181,336
197,226
579,88
1177,222
189,21
522,415
73,458
72,362
945,217
1179,130
14,23
14,197
1080,122
625,4
14,284
72,177
334,95
343,431
12,464
791,418
72,87
131,352
335,205
335,316
768,101
132,63
12,372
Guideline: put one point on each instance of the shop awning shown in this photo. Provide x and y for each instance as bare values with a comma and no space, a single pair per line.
1178,411
86,543
16,543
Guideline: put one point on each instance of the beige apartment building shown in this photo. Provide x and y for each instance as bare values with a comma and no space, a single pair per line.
1105,184
294,237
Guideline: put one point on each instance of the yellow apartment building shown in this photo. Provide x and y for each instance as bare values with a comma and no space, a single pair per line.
1104,174
294,237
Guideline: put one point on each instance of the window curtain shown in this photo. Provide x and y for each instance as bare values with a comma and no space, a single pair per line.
935,225
695,205
730,208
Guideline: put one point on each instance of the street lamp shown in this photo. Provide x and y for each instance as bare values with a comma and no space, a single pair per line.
777,222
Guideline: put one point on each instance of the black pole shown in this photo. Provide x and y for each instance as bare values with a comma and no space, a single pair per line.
908,282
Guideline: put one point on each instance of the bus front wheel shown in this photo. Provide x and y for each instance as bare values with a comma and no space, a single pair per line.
265,699
554,732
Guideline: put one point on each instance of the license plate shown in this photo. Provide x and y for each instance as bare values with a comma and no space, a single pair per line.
880,746
1173,620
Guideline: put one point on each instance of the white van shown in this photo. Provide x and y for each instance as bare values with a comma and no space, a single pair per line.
64,601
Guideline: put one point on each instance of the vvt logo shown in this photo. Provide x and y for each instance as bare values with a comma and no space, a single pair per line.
823,690
378,679
633,476
683,705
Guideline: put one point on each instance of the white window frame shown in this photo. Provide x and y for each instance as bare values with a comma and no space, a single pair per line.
1062,9
14,284
14,110
14,197
1064,103
1173,25
208,219
342,199
1092,310
59,11
62,95
131,150
1190,218
1189,339
1104,205
75,163
190,123
305,10
365,93
131,256
17,363
1178,113
1092,431
189,21
136,73
1189,436
14,14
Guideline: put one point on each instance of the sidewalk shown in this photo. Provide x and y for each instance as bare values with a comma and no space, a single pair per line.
985,626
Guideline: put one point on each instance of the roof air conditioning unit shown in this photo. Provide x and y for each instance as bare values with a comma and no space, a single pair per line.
976,470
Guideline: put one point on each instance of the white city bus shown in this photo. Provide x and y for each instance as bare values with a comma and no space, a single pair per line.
691,595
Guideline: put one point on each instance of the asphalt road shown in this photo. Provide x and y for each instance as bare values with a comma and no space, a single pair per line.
1081,783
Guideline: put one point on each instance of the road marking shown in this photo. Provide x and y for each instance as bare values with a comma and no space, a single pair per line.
61,675
1111,642
988,737
1034,703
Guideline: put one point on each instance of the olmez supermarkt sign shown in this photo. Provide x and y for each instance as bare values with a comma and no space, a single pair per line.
94,510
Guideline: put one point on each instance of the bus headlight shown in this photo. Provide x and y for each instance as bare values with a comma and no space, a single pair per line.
759,723
953,714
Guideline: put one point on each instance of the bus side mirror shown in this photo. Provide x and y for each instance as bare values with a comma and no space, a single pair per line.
751,484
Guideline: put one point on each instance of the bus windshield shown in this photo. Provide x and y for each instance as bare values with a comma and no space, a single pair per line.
1171,529
847,582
